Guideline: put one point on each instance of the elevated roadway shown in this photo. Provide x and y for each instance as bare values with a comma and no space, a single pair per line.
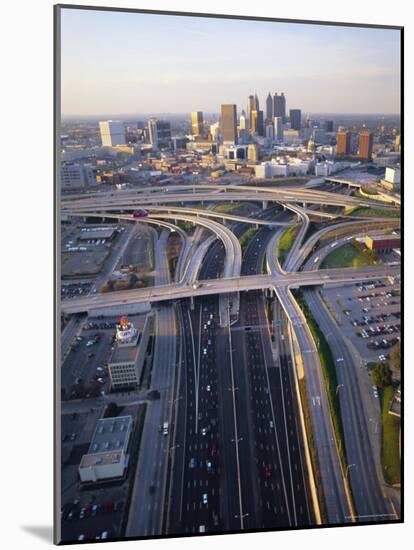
228,285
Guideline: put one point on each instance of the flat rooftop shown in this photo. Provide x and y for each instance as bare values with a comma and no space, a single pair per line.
96,234
124,353
111,434
101,459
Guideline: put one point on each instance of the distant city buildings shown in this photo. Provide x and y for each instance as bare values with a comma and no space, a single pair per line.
343,143
112,133
73,175
295,116
229,123
257,123
278,126
365,144
329,126
269,107
279,106
159,133
197,128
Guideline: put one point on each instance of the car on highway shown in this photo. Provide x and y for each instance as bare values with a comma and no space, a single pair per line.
208,466
193,463
140,213
208,388
267,471
205,498
203,431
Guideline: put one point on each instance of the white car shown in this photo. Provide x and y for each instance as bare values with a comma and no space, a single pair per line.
205,498
203,431
208,388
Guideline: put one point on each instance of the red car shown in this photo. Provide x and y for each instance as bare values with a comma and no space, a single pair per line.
267,471
140,214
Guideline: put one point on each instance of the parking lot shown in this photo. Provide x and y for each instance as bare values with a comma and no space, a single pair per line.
370,316
92,511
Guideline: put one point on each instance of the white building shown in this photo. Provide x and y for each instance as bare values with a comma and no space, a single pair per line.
291,137
393,175
283,167
329,167
107,456
74,175
112,133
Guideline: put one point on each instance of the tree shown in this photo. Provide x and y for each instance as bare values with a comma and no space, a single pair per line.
381,375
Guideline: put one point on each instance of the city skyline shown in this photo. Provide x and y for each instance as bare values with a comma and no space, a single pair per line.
225,60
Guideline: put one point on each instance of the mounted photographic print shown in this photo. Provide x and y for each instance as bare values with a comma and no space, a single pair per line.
228,274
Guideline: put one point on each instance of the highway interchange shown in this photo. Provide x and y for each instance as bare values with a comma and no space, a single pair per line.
236,456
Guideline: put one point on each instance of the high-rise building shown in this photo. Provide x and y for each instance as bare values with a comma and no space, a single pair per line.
253,152
295,116
269,107
397,143
159,132
269,132
365,144
252,105
229,123
257,126
242,122
112,133
197,123
329,125
278,124
343,142
215,131
76,175
279,106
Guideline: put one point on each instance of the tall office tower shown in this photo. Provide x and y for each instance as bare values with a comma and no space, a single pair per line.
269,132
159,132
295,119
279,106
112,133
242,122
365,144
397,143
197,123
269,107
329,125
278,124
229,123
257,123
250,108
253,152
343,142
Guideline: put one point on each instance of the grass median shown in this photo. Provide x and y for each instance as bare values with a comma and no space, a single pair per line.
285,243
329,374
349,255
390,448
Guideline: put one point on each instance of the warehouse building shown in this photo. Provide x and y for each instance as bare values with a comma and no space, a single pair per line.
382,243
107,456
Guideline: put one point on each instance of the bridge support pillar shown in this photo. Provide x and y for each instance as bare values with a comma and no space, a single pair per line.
256,226
192,303
304,205
264,205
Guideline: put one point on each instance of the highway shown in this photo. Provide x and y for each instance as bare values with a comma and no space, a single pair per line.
148,497
219,286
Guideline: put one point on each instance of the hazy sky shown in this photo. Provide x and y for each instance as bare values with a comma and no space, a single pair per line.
119,63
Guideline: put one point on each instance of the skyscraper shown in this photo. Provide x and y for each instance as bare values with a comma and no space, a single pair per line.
252,105
343,142
242,124
278,124
229,123
329,125
257,123
269,107
295,116
112,133
196,123
365,144
159,132
279,106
